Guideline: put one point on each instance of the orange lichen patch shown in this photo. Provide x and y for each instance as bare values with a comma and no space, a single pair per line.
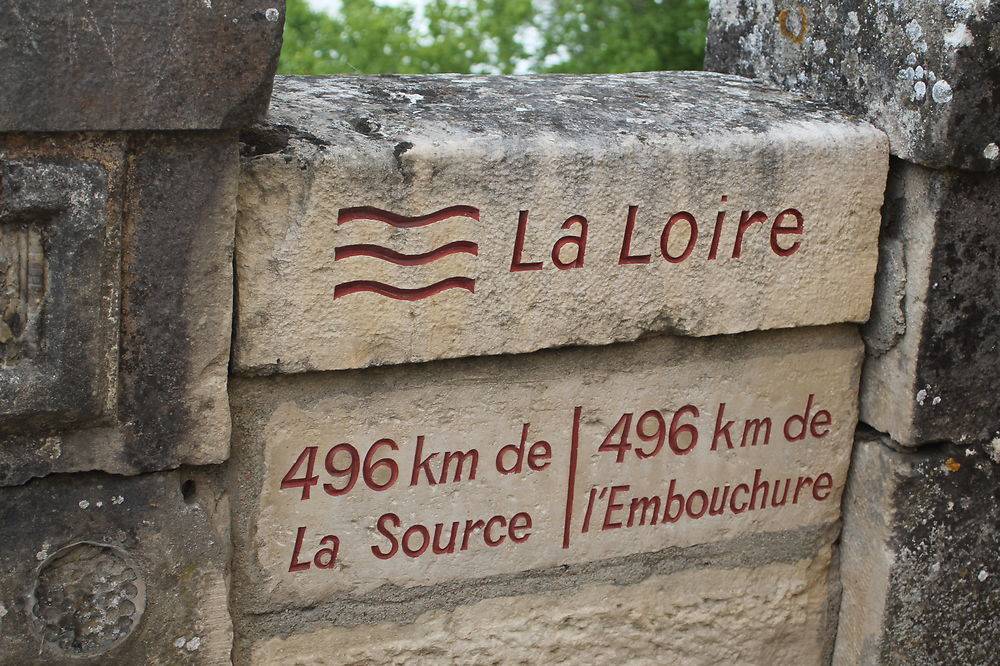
952,465
796,35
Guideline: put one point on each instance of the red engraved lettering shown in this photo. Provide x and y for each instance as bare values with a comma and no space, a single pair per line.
784,496
325,558
459,457
612,508
574,449
746,219
732,498
713,252
625,256
803,481
389,463
519,522
822,486
672,497
310,478
692,237
650,504
777,229
758,485
821,419
704,504
296,564
422,465
516,262
799,419
659,434
495,520
470,527
539,456
722,430
381,529
718,505
688,430
622,429
351,471
590,509
517,450
425,540
437,548
579,241
756,425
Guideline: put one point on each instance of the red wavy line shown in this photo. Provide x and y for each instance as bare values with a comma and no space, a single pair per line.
379,252
345,215
347,288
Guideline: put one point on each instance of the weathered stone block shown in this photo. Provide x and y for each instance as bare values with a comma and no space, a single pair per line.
133,64
101,569
919,555
398,219
115,301
772,614
927,72
931,372
410,476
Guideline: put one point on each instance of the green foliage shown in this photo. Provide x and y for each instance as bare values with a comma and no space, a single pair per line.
608,36
495,36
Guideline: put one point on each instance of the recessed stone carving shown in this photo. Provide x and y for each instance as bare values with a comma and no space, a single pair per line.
22,290
58,301
87,598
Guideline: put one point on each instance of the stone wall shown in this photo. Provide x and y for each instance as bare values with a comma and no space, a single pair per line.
468,369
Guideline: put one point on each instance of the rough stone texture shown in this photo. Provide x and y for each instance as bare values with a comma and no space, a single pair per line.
767,615
58,292
122,365
927,72
177,299
556,147
919,555
932,341
134,64
482,405
101,569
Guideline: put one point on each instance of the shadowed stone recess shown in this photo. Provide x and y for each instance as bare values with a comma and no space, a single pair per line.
931,372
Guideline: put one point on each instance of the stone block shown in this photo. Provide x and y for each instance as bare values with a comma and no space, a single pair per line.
927,71
137,65
772,614
102,569
919,555
398,219
115,301
357,482
931,372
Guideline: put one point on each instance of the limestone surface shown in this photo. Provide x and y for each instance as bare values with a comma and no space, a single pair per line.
415,475
767,615
925,71
137,65
397,219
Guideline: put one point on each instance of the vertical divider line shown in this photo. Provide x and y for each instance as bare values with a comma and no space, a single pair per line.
571,485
